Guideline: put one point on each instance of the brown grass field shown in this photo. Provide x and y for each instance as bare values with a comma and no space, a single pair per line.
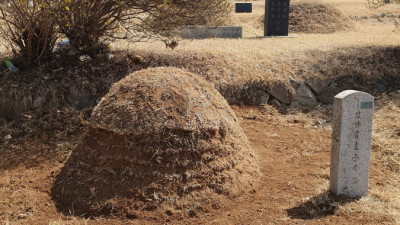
293,146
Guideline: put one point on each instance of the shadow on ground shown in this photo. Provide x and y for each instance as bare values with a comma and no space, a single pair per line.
39,137
321,205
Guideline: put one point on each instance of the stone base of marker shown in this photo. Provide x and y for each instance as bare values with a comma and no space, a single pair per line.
278,37
202,32
351,143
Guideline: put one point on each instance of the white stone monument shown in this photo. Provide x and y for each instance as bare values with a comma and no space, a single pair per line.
351,143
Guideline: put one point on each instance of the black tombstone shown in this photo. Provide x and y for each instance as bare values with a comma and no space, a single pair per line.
276,18
243,7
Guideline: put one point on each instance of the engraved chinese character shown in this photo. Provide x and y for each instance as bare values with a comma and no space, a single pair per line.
358,115
356,135
355,158
356,146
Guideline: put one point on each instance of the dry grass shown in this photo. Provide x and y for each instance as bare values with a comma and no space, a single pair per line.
317,18
386,138
383,199
253,59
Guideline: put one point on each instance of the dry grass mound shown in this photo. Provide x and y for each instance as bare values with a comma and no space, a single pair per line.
161,140
316,18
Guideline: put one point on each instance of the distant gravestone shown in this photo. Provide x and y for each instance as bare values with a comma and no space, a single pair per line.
276,22
243,7
351,143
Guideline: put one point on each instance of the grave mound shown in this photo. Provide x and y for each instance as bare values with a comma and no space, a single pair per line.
161,140
316,18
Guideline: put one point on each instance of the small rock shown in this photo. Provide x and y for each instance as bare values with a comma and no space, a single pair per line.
8,137
26,116
317,84
110,56
256,97
38,102
328,94
304,97
84,58
81,100
281,92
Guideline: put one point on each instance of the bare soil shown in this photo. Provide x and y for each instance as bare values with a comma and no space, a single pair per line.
294,153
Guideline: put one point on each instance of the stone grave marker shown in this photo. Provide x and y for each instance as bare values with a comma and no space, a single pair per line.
351,143
276,22
243,7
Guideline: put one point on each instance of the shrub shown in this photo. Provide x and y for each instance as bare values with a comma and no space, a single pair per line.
29,29
87,23
30,26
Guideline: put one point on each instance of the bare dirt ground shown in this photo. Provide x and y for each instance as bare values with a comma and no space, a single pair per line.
294,154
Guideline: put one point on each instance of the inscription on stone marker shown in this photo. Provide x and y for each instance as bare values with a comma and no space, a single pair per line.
276,17
351,143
